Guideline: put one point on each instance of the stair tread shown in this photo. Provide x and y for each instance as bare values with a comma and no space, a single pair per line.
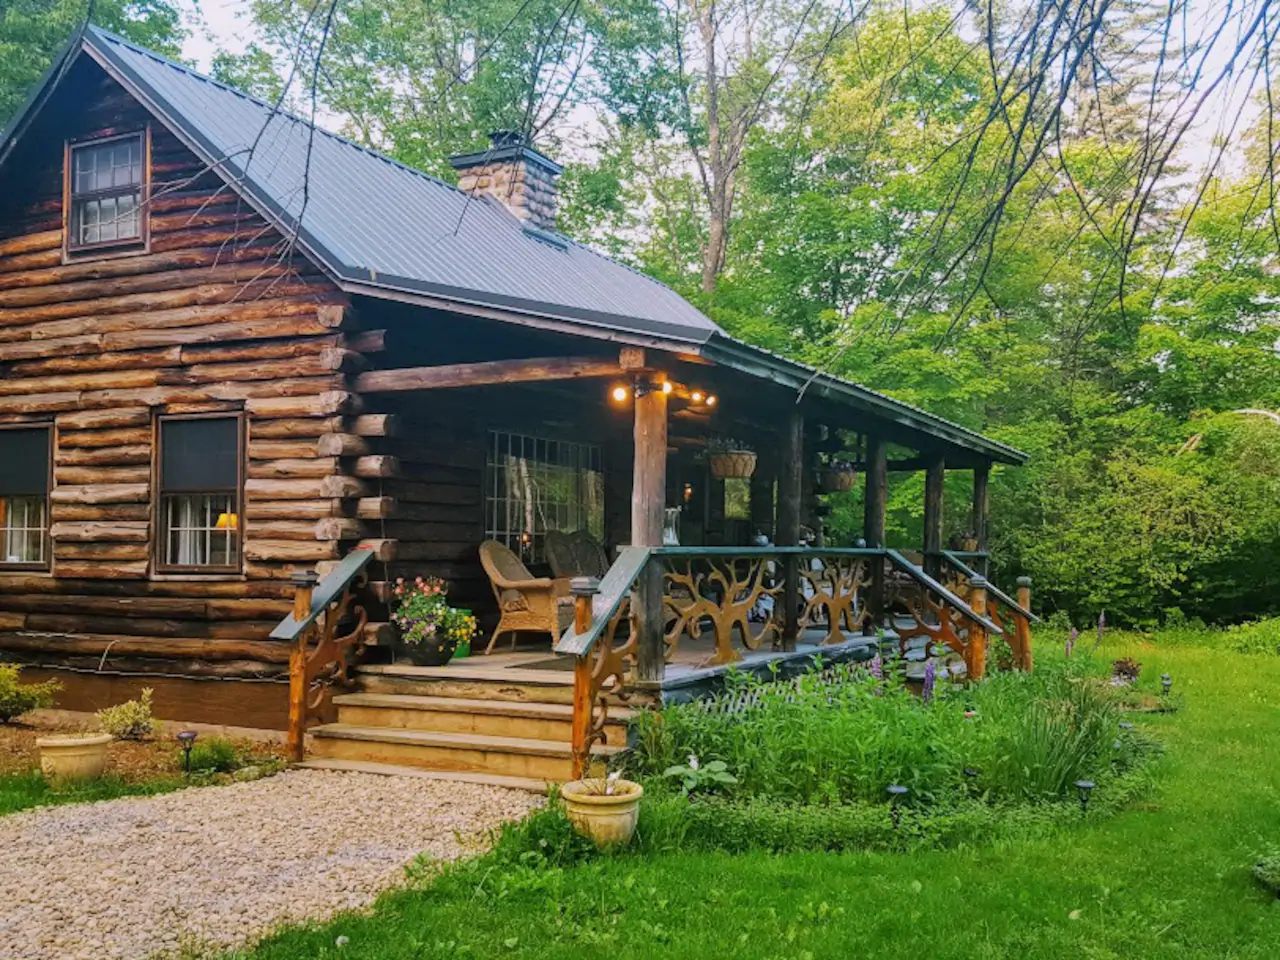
432,738
484,674
530,784
408,701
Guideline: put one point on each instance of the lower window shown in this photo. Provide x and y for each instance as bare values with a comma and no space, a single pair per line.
200,481
24,527
200,530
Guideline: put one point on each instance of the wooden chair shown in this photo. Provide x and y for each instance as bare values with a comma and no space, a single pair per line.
575,554
525,602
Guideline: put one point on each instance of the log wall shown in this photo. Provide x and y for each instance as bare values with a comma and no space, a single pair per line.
218,314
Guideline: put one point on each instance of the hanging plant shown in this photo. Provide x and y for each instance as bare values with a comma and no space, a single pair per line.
837,476
730,459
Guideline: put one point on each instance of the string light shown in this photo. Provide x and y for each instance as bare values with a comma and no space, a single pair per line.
620,394
711,400
696,396
666,386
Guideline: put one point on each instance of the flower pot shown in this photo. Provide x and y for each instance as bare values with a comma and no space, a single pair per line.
432,653
74,758
607,819
837,480
732,464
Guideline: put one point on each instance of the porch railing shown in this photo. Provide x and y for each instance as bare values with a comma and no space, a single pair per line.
326,625
1002,608
756,596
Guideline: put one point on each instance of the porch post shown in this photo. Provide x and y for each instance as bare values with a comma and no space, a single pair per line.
761,497
873,524
648,501
981,504
790,476
934,474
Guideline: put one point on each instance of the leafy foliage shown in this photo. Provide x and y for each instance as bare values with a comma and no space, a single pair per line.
19,698
131,720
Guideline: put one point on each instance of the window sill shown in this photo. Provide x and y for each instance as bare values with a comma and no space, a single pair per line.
25,568
134,247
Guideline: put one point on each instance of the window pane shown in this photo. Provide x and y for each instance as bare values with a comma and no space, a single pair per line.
199,455
23,529
104,166
199,530
24,462
534,485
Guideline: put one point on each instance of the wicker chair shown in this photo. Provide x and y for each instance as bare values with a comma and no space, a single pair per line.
525,602
575,555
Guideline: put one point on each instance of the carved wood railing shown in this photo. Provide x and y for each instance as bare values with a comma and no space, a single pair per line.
1002,609
320,656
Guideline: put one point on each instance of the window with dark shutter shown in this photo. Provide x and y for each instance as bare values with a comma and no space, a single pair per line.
24,496
199,481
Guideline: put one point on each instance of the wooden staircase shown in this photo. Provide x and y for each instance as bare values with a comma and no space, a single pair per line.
462,722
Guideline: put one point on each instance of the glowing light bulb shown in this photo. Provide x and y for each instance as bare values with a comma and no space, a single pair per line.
696,396
711,400
619,394
666,386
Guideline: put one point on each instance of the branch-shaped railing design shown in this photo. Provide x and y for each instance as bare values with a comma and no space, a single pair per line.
320,655
1002,608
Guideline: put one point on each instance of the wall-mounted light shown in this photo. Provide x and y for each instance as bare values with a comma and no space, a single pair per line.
688,492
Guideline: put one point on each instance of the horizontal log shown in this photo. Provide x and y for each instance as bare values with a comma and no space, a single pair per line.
344,488
100,475
439,550
96,361
184,648
148,626
376,466
339,358
115,455
96,439
68,382
237,328
25,584
101,531
288,529
313,348
257,509
48,240
338,528
102,493
383,550
105,419
182,608
488,372
375,425
309,428
290,550
288,469
435,530
375,508
282,449
366,341
106,570
101,551
113,512
68,280
325,404
303,489
342,445
416,497
335,315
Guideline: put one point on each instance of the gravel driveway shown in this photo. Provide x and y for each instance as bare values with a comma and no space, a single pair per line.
212,867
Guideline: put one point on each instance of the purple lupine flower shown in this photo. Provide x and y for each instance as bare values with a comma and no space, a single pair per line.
1071,640
930,681
1102,629
877,667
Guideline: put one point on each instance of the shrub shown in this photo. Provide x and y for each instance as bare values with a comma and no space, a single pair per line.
1267,870
19,698
130,720
215,755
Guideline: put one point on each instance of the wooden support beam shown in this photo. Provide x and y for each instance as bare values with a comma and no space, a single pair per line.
981,503
873,524
648,501
790,492
760,497
933,481
487,372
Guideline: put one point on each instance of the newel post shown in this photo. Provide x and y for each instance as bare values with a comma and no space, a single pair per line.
648,503
584,590
304,584
1023,629
976,648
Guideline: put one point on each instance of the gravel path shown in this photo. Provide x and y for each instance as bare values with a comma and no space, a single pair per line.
212,867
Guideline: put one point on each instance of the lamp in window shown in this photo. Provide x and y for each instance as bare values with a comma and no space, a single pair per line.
228,521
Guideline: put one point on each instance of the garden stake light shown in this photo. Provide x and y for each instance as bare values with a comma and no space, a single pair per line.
896,792
1084,786
1126,725
187,738
1166,681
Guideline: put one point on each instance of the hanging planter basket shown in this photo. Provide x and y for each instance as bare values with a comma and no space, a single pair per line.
837,479
732,464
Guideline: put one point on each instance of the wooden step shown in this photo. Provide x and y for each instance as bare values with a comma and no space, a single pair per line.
498,718
467,682
395,770
433,750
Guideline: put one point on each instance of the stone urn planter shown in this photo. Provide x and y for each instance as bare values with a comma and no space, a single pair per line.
608,819
74,758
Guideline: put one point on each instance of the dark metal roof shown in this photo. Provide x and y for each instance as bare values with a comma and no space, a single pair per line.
384,229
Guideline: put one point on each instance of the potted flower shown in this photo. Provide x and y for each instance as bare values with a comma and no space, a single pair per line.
430,630
838,476
730,459
603,809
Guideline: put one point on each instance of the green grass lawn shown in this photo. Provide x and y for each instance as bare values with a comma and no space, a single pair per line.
20,791
1167,878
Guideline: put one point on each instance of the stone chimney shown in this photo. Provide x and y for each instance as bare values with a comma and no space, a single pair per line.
514,174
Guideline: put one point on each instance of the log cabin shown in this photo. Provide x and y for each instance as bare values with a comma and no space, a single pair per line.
238,351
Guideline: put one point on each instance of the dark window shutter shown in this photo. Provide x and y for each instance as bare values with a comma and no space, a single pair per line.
24,463
199,455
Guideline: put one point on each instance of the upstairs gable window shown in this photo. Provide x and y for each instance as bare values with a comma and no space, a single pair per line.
106,180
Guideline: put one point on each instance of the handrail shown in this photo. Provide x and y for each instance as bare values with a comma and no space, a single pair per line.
326,591
906,566
953,558
614,587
